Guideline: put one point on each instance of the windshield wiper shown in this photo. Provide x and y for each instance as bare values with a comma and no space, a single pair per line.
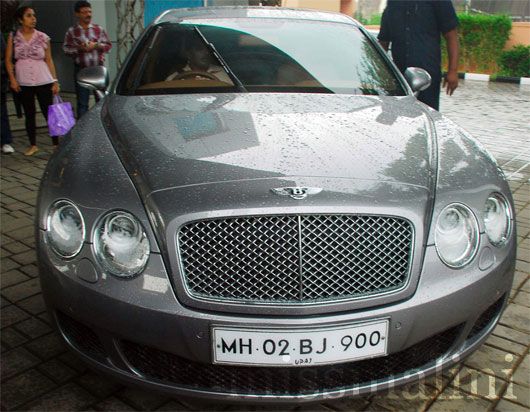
225,66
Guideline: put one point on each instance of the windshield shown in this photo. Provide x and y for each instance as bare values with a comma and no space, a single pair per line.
258,55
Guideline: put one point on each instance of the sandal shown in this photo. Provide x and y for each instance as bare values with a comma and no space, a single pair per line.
30,151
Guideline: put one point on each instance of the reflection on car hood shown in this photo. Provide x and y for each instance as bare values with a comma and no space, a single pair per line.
178,140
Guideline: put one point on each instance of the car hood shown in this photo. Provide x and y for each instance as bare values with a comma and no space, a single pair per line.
181,140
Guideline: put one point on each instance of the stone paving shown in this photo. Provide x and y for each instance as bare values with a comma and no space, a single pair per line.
38,373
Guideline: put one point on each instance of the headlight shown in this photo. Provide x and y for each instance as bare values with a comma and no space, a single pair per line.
456,235
65,229
121,244
497,219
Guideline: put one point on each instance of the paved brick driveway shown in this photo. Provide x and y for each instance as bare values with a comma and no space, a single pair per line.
39,374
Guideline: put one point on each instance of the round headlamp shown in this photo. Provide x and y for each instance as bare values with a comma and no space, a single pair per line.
497,219
65,232
456,235
121,245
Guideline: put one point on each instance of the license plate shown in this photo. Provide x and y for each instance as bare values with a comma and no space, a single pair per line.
302,347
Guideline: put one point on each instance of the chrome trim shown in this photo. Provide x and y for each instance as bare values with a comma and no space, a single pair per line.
300,258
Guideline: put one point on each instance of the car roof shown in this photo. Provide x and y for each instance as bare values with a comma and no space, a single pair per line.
177,15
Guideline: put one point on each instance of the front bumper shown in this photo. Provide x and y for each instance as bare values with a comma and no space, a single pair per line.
142,334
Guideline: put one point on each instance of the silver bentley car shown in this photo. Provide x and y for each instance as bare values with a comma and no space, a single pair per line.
261,210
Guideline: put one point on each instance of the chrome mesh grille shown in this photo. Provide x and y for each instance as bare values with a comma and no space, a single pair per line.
292,259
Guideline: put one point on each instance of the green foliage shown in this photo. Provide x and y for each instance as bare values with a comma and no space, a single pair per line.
373,20
482,38
515,62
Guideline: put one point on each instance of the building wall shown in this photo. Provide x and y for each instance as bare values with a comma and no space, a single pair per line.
368,8
153,8
520,34
329,5
105,14
47,21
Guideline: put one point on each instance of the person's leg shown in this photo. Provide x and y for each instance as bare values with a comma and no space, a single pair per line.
431,96
27,98
82,94
45,98
18,104
6,136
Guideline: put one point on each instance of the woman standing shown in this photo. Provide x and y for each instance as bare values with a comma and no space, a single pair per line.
34,71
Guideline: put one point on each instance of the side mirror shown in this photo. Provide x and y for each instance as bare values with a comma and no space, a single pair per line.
418,79
94,78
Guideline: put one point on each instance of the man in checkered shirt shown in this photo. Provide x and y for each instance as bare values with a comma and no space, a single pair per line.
87,43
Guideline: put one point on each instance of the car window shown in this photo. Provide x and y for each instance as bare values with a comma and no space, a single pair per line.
259,55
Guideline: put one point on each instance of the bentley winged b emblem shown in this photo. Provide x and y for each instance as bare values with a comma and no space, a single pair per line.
296,192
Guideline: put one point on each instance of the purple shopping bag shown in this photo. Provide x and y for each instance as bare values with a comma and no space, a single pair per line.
60,117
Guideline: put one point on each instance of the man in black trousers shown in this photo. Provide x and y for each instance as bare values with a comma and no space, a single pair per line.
414,29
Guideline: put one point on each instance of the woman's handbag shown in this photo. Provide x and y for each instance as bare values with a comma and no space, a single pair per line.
60,117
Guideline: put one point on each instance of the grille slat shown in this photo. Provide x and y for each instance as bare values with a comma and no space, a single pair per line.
292,259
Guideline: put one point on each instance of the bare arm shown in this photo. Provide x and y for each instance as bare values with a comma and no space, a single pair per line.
9,65
384,44
451,81
49,61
